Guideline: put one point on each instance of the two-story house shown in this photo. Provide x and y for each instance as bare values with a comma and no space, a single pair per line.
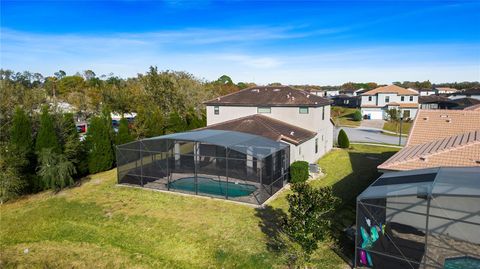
282,113
376,103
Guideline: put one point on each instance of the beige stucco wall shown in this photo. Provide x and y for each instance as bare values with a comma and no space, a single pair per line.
313,121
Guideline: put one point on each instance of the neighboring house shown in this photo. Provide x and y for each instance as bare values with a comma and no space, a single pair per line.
332,92
346,100
445,90
439,138
432,101
352,92
427,92
459,104
292,116
470,93
376,103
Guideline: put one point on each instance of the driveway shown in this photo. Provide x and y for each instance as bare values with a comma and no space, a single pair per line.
378,124
367,135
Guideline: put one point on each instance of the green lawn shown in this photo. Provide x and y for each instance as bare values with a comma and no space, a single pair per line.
101,224
395,126
344,116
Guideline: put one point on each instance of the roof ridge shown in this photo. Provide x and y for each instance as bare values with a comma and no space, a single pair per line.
413,151
261,120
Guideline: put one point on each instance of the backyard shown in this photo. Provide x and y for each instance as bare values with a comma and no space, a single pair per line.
343,116
100,223
394,126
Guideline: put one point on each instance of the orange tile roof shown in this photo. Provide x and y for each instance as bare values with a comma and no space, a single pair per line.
431,125
473,108
440,138
411,105
391,89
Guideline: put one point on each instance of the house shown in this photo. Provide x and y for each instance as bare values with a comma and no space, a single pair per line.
376,103
469,93
439,138
445,90
346,100
282,113
460,103
428,91
432,101
318,92
352,92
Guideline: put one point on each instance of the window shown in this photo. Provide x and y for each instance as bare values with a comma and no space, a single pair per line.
216,110
303,110
323,113
369,98
316,145
387,99
264,110
411,98
402,98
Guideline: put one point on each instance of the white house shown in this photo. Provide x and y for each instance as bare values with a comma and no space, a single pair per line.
427,92
445,90
295,117
376,103
470,93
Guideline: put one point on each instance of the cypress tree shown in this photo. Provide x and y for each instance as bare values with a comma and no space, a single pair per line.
73,148
100,144
47,137
123,135
21,132
343,141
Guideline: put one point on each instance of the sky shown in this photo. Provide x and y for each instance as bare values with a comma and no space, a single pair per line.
300,42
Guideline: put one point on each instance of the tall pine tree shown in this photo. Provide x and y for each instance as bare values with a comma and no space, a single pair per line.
100,143
123,135
47,136
73,148
21,142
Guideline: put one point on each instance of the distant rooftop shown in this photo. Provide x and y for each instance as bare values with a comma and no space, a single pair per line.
391,89
270,96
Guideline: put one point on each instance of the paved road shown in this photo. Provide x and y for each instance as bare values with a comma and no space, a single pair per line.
368,135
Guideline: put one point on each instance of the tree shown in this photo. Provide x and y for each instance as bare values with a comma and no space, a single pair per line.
149,122
55,170
343,141
357,115
47,136
310,213
73,148
224,79
100,144
299,172
21,132
176,124
11,182
123,135
393,114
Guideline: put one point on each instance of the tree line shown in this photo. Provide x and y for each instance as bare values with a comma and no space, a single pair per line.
39,143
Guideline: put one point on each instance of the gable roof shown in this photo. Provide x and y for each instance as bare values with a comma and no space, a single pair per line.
446,89
267,127
391,89
440,138
270,96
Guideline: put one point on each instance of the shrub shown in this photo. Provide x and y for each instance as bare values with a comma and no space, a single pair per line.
310,214
124,135
343,141
298,172
357,116
55,169
100,144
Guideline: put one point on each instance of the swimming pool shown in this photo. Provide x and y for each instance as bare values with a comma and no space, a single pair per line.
462,263
213,187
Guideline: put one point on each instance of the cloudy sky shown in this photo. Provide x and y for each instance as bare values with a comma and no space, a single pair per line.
312,42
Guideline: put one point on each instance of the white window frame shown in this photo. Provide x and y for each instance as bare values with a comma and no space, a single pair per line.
216,110
264,110
303,107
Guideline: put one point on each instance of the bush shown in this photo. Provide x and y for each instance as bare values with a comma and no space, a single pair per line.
298,172
47,136
124,136
310,216
55,170
357,116
343,141
100,144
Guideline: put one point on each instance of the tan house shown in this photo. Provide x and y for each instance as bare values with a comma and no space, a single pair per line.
376,103
439,138
281,113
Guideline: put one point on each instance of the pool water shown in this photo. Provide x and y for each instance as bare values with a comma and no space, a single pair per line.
462,263
213,187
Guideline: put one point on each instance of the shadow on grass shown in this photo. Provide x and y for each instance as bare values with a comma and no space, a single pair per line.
364,172
271,220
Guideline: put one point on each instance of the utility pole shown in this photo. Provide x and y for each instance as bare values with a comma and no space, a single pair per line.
400,134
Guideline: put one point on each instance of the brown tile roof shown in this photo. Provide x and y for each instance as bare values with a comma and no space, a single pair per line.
267,127
431,125
432,99
440,138
391,89
270,96
473,108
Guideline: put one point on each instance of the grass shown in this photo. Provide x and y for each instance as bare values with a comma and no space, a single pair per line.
344,116
101,224
394,126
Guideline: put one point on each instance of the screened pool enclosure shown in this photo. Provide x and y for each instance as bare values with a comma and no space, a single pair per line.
221,164
427,218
